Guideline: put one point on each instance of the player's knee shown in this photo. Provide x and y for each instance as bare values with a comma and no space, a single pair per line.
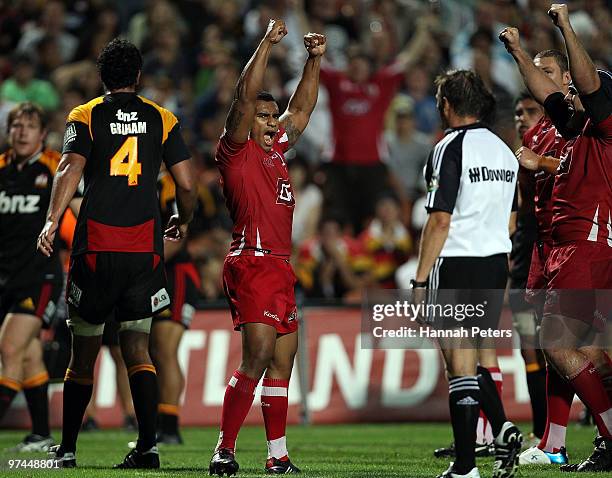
256,362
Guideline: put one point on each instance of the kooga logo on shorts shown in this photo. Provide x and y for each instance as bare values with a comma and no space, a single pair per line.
485,174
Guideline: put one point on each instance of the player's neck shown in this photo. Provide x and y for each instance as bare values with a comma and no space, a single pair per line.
128,89
20,161
459,121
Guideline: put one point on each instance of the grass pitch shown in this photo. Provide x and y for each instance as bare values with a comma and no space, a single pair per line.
352,451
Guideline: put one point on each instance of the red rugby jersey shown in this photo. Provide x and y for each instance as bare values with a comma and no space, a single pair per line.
544,139
358,114
582,194
258,195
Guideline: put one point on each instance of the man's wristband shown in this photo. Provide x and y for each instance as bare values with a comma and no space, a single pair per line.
414,284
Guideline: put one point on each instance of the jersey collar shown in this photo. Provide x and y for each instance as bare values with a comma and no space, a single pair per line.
476,125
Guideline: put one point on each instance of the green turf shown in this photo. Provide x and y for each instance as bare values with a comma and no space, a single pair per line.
367,451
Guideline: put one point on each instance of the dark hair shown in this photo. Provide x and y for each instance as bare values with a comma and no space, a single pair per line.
466,94
523,95
27,109
119,64
558,56
265,96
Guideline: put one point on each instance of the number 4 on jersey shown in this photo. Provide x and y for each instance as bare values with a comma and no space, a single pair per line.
132,169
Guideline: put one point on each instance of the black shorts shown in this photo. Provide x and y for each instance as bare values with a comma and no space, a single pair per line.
130,285
477,282
39,299
184,287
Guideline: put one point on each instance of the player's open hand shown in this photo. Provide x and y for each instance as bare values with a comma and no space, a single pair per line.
559,14
527,158
175,231
315,44
511,39
276,31
45,239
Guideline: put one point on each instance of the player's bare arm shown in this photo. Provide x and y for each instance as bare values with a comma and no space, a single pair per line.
65,183
303,101
240,117
584,74
186,192
535,162
539,85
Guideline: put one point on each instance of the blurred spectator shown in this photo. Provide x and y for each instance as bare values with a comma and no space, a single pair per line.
144,25
50,25
387,241
22,86
332,264
308,202
418,87
359,99
503,123
408,150
485,22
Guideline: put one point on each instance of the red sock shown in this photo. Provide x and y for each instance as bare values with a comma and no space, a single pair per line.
237,402
589,387
559,396
274,405
484,433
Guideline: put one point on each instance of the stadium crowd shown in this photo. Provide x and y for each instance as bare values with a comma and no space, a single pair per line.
358,213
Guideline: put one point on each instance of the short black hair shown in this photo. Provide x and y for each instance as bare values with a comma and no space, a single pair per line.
466,94
265,96
27,109
523,95
119,64
559,57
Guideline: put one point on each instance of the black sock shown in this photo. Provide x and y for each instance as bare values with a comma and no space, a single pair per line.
8,390
492,405
77,394
38,406
536,383
143,384
464,402
168,423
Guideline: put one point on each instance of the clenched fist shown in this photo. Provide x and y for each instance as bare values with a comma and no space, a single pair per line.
276,31
511,39
559,14
315,44
527,158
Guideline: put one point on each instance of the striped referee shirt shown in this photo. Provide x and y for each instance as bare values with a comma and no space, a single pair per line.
472,175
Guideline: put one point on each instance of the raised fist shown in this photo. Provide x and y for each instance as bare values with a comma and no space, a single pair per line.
510,37
276,31
559,14
315,44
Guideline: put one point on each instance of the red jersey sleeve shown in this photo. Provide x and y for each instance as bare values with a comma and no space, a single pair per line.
282,140
230,153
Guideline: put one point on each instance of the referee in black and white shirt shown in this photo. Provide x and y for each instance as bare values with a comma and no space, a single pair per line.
471,176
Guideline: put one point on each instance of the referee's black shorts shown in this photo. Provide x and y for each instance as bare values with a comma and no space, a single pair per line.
478,282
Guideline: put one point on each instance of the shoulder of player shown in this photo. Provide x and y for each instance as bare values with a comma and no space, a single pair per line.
3,159
454,137
82,113
169,120
50,159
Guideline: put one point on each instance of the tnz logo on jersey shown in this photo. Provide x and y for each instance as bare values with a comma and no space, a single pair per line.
284,195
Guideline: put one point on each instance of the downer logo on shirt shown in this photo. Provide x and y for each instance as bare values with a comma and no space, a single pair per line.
485,174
